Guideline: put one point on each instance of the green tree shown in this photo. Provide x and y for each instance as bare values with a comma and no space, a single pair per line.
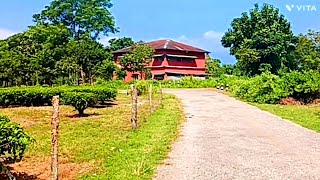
82,17
29,58
119,43
86,54
262,36
106,68
213,67
307,51
227,69
138,58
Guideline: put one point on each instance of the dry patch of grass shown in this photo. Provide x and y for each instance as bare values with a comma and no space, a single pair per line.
87,145
41,169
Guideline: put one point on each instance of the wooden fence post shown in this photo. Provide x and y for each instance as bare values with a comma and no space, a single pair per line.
55,136
150,97
134,110
161,96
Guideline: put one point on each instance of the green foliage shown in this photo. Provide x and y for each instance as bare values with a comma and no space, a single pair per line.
61,47
189,82
23,96
102,93
266,88
144,86
82,17
261,36
307,53
79,100
87,57
13,142
186,82
29,58
121,74
41,96
119,43
228,69
269,88
105,69
139,56
213,67
45,55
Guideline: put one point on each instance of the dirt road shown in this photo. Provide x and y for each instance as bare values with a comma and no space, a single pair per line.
227,139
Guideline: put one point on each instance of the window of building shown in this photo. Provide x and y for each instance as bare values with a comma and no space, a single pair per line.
159,77
180,59
160,58
188,60
135,76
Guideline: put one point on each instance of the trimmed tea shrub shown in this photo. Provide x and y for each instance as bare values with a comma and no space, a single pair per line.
13,143
79,100
41,96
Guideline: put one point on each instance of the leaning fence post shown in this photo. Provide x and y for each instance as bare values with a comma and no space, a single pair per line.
150,97
161,95
55,136
134,110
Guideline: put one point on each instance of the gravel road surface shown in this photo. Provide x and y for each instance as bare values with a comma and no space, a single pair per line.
224,138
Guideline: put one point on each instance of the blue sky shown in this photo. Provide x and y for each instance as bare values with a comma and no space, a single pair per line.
196,22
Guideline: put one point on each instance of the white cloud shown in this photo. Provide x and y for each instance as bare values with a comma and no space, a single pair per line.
5,33
210,40
185,39
105,40
213,35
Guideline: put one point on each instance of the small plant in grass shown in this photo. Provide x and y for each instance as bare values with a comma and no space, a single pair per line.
142,168
80,101
13,143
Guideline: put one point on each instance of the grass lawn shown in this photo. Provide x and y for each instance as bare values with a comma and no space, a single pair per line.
306,116
102,145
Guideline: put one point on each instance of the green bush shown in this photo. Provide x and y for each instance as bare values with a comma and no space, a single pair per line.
143,86
13,142
269,88
304,86
103,93
266,88
190,82
35,96
41,96
79,100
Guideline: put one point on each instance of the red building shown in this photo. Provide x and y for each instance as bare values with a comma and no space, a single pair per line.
172,60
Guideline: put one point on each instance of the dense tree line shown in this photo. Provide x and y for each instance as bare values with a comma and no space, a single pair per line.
62,47
262,40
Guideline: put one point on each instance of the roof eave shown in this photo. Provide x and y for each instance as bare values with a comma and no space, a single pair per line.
200,51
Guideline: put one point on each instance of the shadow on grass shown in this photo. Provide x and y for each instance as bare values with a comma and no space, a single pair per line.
82,115
19,176
105,104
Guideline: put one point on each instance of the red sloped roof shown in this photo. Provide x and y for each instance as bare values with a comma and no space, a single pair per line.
167,44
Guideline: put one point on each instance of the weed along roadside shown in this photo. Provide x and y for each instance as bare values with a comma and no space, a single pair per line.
137,156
